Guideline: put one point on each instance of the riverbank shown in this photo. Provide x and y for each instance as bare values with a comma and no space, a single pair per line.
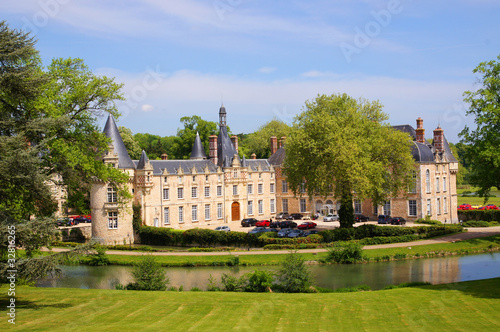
465,306
450,245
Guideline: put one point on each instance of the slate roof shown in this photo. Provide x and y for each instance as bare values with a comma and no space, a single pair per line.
111,131
187,165
447,152
225,148
253,164
143,160
198,151
278,157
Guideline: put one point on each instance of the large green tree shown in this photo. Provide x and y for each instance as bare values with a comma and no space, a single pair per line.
482,151
192,125
259,141
48,135
342,146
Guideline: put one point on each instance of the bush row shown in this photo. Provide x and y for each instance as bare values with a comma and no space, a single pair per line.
486,215
210,238
371,231
480,223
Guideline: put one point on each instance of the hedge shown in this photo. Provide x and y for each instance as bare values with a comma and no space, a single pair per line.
486,215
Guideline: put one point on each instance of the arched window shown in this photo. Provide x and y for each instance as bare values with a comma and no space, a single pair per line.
428,181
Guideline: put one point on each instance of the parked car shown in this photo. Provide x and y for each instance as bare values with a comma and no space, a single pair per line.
475,207
284,232
248,222
288,224
491,207
267,230
384,219
331,217
312,231
465,207
296,233
307,225
282,215
275,224
296,216
398,221
64,222
257,230
263,223
223,229
81,220
360,218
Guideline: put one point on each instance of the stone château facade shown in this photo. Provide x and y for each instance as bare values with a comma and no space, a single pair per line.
224,188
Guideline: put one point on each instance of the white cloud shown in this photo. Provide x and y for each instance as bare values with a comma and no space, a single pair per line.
147,108
267,70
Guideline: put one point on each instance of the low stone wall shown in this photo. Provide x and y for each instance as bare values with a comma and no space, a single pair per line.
76,233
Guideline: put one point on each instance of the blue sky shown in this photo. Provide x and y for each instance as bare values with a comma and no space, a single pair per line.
264,59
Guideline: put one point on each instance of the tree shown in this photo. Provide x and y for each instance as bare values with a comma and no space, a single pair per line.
482,153
48,133
341,146
258,142
148,275
133,148
192,125
294,276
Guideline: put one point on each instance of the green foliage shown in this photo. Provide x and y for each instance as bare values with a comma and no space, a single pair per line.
340,145
481,153
132,146
212,285
136,217
347,253
99,258
259,281
480,223
259,141
427,220
148,275
294,276
408,284
389,239
487,215
233,284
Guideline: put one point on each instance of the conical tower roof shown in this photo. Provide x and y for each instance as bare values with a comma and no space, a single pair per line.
198,151
143,160
111,131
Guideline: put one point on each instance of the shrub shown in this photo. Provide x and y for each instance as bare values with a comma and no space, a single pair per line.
428,221
212,284
99,258
360,288
148,275
346,253
232,283
408,284
476,223
233,261
259,281
294,276
195,289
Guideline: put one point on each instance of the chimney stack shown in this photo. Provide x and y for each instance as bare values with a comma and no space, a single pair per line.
438,139
253,156
420,131
164,156
234,140
212,142
274,144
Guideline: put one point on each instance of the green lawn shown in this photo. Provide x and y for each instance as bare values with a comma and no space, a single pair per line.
468,306
477,200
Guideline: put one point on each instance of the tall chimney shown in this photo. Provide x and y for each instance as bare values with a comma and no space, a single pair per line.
234,140
164,156
253,156
439,139
420,131
212,142
274,144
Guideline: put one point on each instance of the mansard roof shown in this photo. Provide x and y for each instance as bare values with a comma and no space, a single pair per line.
198,151
253,165
172,166
422,153
111,131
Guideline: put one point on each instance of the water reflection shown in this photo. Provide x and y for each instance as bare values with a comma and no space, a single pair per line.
376,275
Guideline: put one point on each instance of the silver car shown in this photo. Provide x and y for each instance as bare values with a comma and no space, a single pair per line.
223,228
284,232
331,217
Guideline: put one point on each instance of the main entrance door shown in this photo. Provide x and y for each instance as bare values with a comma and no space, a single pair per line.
235,211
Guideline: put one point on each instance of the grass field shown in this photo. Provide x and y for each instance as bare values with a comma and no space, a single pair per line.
477,200
467,306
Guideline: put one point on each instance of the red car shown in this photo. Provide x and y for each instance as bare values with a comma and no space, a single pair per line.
491,207
307,225
263,223
465,207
